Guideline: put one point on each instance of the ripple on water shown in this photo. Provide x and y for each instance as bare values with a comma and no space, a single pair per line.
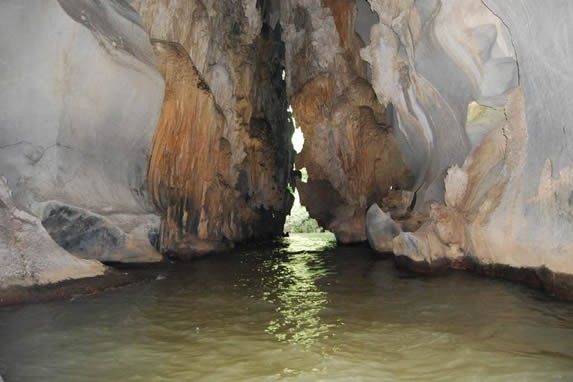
303,311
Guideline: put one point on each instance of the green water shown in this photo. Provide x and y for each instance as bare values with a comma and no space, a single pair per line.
304,311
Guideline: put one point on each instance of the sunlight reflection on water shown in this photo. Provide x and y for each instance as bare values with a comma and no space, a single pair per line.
302,311
297,299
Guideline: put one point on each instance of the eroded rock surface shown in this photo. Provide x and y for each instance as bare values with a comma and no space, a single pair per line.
430,59
81,97
494,178
381,229
350,152
28,255
222,155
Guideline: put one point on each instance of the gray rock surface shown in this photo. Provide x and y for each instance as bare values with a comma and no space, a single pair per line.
430,59
28,256
80,99
78,110
380,229
533,223
481,92
92,236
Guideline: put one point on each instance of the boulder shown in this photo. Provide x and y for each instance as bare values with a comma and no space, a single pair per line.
380,229
28,255
91,236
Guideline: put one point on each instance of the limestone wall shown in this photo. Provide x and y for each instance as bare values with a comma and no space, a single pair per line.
495,182
350,152
222,155
80,96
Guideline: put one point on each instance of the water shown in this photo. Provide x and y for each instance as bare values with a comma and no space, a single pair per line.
303,312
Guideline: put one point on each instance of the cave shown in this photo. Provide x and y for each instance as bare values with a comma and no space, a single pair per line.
297,189
298,220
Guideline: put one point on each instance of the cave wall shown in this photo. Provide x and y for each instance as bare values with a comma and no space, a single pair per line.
222,154
452,116
350,152
532,225
114,144
430,59
475,118
479,92
80,97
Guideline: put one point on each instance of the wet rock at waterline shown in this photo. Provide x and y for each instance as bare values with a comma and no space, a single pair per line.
118,239
28,256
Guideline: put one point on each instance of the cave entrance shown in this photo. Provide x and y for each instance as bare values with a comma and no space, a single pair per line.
299,220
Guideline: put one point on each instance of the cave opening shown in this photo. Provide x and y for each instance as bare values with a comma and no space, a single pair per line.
298,219
431,138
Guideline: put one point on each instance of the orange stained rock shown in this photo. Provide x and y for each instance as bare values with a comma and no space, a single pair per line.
344,13
188,156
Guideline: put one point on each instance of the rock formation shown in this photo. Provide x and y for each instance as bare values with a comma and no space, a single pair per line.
94,117
81,97
495,180
381,229
222,153
350,152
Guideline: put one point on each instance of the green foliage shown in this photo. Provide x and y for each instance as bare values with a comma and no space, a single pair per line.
304,175
304,226
299,220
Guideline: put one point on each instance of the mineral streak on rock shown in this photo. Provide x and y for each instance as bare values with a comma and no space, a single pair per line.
222,155
189,170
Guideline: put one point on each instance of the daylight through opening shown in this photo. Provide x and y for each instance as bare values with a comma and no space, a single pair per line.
299,220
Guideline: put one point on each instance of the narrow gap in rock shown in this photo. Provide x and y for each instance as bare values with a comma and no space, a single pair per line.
299,220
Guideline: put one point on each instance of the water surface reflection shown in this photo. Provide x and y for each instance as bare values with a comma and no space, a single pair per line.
304,311
292,288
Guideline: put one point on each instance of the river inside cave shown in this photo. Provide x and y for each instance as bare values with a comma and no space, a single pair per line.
305,310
